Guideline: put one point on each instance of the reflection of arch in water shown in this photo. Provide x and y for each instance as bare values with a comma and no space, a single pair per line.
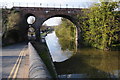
31,33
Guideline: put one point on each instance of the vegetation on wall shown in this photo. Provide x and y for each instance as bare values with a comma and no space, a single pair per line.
10,27
66,32
13,20
101,25
5,13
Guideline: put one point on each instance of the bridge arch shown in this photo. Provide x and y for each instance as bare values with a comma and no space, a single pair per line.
42,14
64,16
72,19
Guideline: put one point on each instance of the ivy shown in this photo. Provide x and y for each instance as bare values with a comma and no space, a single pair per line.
100,25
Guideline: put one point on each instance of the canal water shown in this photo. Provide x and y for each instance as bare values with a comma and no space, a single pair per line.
85,63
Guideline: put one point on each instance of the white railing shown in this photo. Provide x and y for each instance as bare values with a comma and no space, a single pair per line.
53,5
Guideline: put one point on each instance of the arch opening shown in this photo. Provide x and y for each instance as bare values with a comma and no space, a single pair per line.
62,16
30,18
60,34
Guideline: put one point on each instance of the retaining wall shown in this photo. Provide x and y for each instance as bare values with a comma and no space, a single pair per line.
37,68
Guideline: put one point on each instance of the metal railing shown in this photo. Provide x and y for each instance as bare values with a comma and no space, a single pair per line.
34,4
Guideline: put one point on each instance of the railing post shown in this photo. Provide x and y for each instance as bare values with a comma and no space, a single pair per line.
19,4
27,4
60,5
66,5
40,4
13,4
47,5
54,5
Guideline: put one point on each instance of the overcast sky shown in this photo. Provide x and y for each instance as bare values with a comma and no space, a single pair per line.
48,3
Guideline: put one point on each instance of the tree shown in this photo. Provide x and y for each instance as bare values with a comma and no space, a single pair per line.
66,32
100,25
13,20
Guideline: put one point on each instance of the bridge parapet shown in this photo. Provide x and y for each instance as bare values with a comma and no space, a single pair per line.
42,14
51,11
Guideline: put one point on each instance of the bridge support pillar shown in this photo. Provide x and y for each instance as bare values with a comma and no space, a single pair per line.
37,25
80,38
38,37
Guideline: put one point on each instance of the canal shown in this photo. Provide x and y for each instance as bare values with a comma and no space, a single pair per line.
85,63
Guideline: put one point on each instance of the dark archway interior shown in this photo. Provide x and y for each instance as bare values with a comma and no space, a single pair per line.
43,20
26,25
12,36
26,17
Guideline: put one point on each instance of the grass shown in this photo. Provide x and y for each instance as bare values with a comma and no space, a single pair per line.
43,51
116,47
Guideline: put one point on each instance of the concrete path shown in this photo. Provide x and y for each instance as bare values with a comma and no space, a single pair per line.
14,61
24,67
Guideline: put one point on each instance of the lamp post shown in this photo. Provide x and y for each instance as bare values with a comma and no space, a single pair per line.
66,5
27,4
34,4
60,5
19,4
47,5
79,6
73,6
40,4
54,5
13,4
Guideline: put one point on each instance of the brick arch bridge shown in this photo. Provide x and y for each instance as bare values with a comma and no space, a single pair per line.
42,14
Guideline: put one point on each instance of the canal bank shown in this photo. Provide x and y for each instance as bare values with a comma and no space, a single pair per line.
86,63
44,54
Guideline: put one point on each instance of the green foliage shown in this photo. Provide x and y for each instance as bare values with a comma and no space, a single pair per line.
101,25
13,19
44,54
66,32
4,19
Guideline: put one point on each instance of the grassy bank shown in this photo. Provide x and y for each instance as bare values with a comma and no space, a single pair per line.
66,32
43,51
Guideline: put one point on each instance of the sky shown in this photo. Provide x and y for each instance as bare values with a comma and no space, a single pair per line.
53,21
49,3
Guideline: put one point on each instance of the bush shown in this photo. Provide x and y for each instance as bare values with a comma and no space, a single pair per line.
66,32
101,25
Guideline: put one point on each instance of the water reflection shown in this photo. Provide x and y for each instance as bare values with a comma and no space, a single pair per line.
55,49
86,63
72,76
94,63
